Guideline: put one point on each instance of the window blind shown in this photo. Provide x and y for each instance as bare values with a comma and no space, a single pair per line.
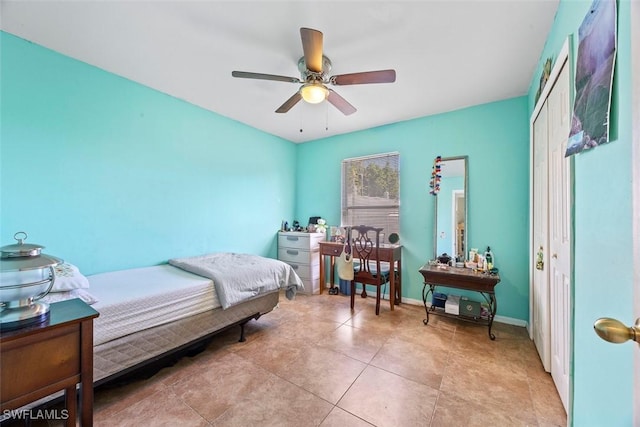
371,192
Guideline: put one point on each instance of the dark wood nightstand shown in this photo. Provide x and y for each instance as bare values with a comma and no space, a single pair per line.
39,360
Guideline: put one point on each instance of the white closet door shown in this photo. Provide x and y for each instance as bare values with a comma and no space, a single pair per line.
540,290
560,232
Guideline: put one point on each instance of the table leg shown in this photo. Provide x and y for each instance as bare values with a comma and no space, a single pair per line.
322,281
71,405
86,376
332,273
425,295
399,284
392,286
493,308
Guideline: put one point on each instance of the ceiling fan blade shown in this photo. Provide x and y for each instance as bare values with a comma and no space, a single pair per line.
381,76
312,47
340,103
289,103
248,75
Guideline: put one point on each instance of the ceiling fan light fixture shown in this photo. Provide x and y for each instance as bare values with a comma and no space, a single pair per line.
314,93
314,68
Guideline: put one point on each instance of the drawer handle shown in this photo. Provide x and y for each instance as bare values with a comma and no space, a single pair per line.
294,266
336,251
290,252
293,238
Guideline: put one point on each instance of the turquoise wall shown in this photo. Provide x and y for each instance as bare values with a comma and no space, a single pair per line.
109,174
603,286
495,137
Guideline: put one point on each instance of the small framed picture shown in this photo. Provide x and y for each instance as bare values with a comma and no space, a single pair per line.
336,234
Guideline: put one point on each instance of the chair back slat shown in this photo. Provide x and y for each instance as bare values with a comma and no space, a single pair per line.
365,241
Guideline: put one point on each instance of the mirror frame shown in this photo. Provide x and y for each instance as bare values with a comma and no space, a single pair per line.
466,208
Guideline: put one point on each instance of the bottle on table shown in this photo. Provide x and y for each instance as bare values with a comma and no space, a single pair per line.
489,260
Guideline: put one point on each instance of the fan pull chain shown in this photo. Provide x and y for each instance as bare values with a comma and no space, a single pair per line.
300,112
326,125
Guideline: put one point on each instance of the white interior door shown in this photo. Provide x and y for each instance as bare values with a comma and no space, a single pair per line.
560,232
540,242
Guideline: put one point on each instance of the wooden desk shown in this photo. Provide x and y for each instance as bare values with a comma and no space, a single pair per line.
460,278
42,359
387,253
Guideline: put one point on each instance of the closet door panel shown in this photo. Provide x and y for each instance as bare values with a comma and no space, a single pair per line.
540,315
560,232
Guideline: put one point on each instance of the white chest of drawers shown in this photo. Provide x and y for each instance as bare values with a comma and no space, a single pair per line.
302,252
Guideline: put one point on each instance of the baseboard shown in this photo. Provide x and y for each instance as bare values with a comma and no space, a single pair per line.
511,321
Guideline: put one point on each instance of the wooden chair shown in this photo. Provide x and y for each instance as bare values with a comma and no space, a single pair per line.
368,270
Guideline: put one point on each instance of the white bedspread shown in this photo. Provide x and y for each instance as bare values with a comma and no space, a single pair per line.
238,277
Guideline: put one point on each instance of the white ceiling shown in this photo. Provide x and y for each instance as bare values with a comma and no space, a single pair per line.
447,54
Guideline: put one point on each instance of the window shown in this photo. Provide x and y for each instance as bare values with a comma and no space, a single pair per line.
371,192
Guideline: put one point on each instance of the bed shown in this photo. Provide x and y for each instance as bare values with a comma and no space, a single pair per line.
148,313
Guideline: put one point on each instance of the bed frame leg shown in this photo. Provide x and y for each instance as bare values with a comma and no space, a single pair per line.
242,338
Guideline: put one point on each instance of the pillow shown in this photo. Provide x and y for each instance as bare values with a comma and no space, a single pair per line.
68,278
76,293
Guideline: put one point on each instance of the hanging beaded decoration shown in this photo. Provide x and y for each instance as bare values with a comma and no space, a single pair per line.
434,184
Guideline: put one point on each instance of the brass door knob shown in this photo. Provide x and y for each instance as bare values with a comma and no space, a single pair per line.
615,331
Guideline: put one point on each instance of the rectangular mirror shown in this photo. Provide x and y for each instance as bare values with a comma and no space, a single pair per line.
451,209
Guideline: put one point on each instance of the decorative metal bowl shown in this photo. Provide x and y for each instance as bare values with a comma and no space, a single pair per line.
26,276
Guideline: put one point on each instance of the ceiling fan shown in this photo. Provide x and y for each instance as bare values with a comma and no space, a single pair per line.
314,68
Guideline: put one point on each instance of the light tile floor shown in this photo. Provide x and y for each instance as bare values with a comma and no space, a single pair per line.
312,362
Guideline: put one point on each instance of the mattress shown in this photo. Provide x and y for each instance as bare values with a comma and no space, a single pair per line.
142,298
115,357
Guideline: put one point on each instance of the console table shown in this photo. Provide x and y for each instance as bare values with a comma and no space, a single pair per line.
390,253
460,278
39,360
